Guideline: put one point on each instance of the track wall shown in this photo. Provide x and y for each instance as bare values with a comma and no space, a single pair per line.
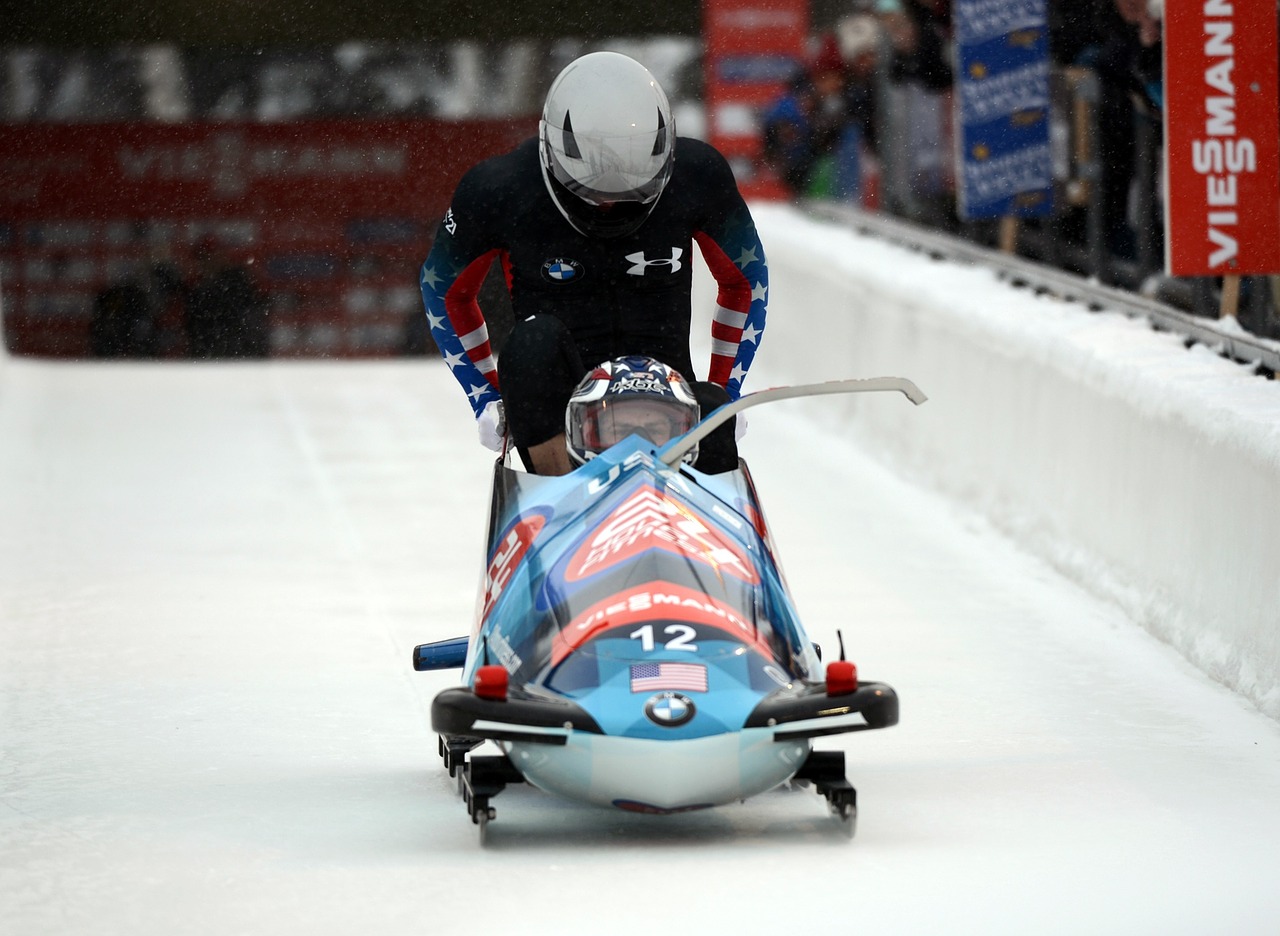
1148,472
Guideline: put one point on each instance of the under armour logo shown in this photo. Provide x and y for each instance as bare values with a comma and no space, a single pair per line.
640,263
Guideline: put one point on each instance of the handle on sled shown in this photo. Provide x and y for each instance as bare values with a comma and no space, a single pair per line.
677,448
442,654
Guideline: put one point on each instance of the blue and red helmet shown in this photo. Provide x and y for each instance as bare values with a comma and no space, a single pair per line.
631,395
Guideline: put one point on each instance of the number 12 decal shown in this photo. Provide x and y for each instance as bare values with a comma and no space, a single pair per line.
682,639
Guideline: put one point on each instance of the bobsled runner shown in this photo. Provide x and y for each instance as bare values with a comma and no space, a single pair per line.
635,644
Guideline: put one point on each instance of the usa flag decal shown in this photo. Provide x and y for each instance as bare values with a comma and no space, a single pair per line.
657,677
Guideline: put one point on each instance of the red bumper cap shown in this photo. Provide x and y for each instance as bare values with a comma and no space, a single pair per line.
491,683
842,677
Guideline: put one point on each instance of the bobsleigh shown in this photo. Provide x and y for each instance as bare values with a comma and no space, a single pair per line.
635,644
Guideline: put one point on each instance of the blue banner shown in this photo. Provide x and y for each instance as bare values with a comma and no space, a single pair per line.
1002,108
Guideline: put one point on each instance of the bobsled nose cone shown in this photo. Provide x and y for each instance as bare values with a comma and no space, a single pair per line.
662,776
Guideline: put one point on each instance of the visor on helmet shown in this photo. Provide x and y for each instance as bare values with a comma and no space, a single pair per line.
603,169
595,182
631,395
607,422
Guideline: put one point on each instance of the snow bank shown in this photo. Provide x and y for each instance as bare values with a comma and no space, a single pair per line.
1148,472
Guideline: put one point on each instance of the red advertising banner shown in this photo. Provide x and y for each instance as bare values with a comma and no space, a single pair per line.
753,47
331,218
1222,138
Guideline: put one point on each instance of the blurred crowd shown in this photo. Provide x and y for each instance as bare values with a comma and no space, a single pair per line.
822,136
868,120
211,309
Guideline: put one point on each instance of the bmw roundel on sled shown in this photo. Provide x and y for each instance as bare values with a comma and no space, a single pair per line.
635,644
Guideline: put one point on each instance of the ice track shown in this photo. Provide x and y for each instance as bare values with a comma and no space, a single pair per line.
211,578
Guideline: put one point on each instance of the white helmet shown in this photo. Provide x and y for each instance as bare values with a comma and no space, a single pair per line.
607,143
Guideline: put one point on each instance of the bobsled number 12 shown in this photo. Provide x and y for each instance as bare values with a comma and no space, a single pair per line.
641,650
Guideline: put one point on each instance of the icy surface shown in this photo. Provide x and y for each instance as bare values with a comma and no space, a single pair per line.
211,578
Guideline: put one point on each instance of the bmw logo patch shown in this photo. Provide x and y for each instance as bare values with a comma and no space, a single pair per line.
560,270
670,709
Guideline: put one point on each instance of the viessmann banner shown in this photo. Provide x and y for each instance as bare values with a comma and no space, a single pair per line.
1221,132
334,217
325,169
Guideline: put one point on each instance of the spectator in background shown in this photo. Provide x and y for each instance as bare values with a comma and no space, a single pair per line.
920,31
859,39
162,281
1128,63
1078,29
123,324
811,137
1142,48
225,312
919,177
790,145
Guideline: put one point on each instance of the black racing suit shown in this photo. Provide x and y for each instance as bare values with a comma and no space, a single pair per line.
607,296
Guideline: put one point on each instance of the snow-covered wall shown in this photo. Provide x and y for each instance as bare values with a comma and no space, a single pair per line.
1148,472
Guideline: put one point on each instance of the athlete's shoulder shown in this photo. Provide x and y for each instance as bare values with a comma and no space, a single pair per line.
702,172
503,176
704,184
699,154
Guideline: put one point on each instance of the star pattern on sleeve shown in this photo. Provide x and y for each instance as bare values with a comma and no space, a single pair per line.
737,260
430,278
450,285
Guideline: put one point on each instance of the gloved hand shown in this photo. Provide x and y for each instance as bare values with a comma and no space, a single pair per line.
492,424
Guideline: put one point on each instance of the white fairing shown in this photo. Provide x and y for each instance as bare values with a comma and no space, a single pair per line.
665,775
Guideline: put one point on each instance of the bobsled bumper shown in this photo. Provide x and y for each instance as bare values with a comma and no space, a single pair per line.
560,748
461,713
656,776
813,713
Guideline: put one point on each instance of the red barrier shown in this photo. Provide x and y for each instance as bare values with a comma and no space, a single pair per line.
332,217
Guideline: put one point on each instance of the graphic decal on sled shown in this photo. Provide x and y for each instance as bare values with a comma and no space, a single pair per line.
512,546
685,608
650,520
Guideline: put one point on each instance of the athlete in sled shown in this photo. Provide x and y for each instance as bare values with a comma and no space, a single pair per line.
635,643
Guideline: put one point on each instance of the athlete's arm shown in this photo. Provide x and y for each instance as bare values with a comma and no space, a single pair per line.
735,256
450,279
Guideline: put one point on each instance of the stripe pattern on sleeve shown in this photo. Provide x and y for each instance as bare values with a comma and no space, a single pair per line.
457,324
741,300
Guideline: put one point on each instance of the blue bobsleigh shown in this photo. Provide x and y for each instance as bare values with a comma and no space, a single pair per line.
635,644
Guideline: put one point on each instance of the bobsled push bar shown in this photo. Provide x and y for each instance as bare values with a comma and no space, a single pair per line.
678,447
